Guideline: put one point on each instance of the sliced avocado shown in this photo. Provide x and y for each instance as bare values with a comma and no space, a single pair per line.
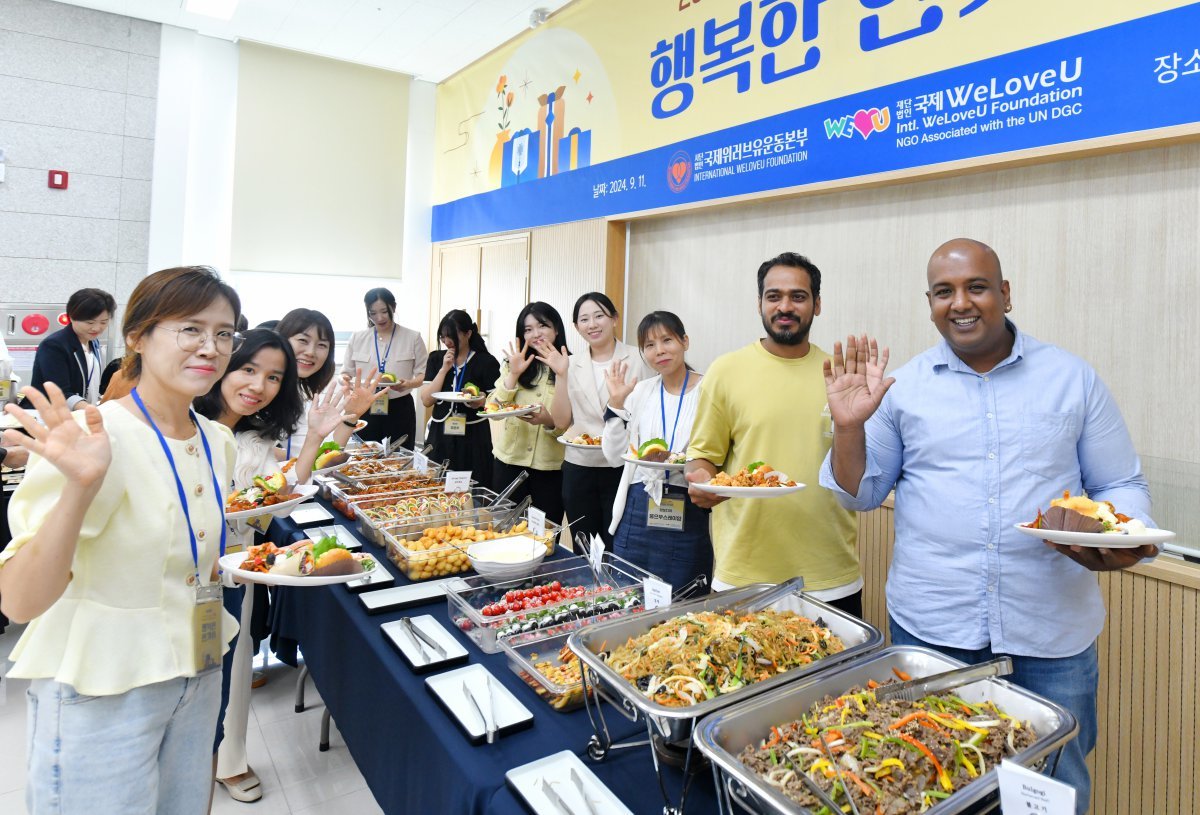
472,389
329,446
272,483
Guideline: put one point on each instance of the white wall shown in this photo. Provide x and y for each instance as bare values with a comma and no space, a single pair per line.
192,205
78,91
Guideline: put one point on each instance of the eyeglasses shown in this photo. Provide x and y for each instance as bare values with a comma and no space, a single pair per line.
191,339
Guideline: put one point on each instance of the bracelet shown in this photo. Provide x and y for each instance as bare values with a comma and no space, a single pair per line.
349,423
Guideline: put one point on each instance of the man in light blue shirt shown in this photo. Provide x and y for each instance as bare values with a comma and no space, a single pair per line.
975,435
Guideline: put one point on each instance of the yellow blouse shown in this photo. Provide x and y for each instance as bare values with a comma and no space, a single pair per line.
125,619
517,442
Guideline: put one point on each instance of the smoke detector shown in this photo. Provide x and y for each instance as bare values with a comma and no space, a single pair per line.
538,16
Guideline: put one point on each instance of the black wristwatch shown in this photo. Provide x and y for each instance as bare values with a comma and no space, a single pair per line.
3,454
350,424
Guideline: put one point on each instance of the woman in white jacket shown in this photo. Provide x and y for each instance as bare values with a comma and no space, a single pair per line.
654,524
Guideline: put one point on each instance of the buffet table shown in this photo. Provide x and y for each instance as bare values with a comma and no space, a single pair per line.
412,754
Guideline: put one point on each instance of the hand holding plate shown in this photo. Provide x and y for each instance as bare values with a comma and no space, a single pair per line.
1104,560
704,500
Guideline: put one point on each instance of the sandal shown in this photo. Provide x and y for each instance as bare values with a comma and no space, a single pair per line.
246,790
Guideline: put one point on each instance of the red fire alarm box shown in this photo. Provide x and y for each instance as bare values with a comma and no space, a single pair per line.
58,179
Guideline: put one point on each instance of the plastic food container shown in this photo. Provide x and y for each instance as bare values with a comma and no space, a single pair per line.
538,661
613,590
722,736
374,514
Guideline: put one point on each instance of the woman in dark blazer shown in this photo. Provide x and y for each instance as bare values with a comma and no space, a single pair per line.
70,357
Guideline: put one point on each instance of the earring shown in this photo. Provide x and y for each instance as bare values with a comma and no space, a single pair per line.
1007,308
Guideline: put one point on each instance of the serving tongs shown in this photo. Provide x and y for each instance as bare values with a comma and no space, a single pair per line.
757,602
513,516
511,488
555,798
389,445
837,769
413,458
422,637
489,723
916,689
352,483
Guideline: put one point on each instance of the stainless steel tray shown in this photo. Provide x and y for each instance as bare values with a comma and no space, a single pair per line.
675,724
722,736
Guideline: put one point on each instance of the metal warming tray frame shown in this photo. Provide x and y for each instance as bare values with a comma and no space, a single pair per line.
722,736
675,724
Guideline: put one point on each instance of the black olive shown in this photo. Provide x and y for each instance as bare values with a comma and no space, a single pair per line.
643,683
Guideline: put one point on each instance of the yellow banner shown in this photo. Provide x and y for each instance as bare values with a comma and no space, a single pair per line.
605,79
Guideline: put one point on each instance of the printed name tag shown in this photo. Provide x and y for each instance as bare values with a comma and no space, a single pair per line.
380,406
665,515
455,426
260,522
206,628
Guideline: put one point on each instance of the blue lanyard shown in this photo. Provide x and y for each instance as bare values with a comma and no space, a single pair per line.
662,403
179,484
460,374
383,362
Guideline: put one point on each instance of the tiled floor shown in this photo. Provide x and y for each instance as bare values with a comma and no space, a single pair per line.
281,744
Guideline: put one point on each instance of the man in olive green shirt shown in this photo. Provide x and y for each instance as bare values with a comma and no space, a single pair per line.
766,402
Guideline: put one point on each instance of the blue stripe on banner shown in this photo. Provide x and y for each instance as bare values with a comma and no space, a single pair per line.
1134,76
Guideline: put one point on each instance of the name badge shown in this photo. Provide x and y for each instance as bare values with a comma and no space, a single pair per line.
380,406
206,628
455,426
665,515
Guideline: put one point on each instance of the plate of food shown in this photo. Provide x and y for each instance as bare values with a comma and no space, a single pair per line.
305,563
654,454
584,441
268,495
470,393
758,480
330,456
507,410
1080,521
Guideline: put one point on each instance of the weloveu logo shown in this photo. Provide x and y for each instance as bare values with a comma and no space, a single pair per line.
865,122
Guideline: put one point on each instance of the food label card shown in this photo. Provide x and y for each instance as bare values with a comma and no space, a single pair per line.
657,593
1024,792
420,462
596,553
458,480
537,521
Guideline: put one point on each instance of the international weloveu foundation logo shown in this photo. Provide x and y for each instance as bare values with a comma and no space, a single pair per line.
679,171
864,122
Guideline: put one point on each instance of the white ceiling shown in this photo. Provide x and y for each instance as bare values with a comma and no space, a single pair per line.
427,39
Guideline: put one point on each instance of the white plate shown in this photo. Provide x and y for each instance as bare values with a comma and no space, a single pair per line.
1098,540
231,562
377,578
344,535
404,642
455,396
652,465
748,492
596,447
508,711
556,769
314,514
528,410
404,596
280,510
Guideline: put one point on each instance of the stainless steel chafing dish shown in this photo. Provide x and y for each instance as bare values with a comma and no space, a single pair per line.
674,724
723,736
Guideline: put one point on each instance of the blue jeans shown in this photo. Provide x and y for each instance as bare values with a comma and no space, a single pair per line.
143,751
1069,681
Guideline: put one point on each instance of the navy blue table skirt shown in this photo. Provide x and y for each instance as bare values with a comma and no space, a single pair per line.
413,756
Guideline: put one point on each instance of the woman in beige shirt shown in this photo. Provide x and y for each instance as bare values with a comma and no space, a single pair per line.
116,531
399,354
590,483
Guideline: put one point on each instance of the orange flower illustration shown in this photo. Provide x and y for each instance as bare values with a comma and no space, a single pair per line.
501,83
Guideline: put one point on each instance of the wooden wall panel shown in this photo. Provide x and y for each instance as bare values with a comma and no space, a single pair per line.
1146,758
564,262
1101,254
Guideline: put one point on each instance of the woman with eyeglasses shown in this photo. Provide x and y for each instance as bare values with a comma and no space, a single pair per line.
398,354
258,399
117,527
71,357
311,336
